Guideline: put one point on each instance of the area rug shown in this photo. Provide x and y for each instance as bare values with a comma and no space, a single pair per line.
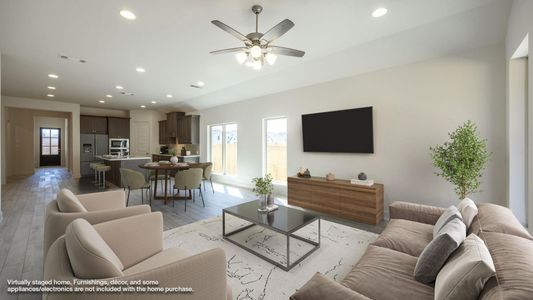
252,278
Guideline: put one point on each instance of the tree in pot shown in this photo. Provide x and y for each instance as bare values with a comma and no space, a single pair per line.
263,188
462,159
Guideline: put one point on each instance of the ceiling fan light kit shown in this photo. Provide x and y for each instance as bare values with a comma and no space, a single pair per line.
258,46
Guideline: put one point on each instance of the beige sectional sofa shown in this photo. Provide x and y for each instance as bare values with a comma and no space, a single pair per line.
386,269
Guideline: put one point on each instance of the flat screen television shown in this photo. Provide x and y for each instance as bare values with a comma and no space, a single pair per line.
347,131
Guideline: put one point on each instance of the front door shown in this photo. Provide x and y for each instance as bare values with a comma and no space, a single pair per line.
50,147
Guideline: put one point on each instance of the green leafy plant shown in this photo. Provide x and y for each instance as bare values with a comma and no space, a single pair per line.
263,185
172,152
462,159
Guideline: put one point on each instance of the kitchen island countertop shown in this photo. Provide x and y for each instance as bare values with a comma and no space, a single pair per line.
102,157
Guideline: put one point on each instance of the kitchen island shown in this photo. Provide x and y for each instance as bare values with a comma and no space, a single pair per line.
117,162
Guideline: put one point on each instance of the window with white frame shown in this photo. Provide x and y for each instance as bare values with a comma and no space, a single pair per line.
275,149
223,148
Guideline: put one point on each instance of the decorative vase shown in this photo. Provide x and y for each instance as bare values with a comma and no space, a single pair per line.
330,177
362,176
174,160
270,200
263,199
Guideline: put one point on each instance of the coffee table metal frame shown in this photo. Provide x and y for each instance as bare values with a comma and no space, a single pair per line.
288,234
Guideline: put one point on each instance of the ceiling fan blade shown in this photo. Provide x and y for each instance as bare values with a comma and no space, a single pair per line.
231,31
229,50
286,51
278,30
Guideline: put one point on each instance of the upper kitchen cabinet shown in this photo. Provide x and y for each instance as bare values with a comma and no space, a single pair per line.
164,139
93,124
189,130
172,123
118,127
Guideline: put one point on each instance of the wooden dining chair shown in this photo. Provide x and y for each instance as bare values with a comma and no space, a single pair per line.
188,180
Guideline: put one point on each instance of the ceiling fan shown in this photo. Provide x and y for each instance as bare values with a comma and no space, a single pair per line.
258,46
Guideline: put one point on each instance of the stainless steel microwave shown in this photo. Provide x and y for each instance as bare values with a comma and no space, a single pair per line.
119,144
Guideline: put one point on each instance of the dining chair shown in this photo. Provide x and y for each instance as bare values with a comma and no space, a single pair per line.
188,180
160,177
207,174
134,180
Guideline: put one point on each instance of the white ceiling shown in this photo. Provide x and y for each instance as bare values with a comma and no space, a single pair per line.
172,40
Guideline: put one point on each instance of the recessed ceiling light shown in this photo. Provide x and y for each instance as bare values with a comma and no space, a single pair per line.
140,70
101,101
53,76
200,83
169,96
128,15
143,106
379,12
50,95
154,102
119,87
109,96
51,87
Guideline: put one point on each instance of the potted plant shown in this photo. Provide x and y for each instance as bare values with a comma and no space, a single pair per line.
462,159
263,188
174,159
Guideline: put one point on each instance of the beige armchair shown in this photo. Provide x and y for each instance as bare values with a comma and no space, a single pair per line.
95,208
131,249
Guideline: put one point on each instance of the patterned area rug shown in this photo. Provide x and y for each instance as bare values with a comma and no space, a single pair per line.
251,277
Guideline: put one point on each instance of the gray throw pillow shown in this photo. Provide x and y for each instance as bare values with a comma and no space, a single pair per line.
449,214
438,250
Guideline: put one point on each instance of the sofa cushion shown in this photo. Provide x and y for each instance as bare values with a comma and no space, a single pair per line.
405,236
466,271
89,255
468,210
449,214
320,287
162,258
438,250
68,202
513,260
497,218
384,274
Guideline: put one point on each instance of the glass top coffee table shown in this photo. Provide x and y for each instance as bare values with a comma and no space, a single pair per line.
284,220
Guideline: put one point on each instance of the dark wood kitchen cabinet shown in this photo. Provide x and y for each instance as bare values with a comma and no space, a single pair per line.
93,124
164,139
118,127
189,130
172,123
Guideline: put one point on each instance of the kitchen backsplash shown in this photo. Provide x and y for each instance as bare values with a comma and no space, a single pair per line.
195,149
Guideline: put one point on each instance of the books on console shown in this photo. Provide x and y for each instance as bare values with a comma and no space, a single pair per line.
368,182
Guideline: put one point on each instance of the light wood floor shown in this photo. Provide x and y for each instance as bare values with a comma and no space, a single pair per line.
24,201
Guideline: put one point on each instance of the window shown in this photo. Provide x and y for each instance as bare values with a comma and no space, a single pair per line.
275,149
223,148
49,141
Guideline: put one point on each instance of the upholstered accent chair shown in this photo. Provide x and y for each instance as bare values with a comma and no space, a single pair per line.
95,208
131,249
189,180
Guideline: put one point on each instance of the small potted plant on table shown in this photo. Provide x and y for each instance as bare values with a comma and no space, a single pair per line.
263,189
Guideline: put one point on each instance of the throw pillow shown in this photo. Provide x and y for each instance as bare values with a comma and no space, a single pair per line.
90,256
468,210
68,202
438,250
466,271
449,214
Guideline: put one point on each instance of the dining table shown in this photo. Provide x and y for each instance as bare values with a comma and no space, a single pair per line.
165,168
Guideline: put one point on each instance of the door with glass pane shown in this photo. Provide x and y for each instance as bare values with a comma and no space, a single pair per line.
50,147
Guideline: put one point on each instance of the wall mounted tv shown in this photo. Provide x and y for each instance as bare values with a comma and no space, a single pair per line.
347,131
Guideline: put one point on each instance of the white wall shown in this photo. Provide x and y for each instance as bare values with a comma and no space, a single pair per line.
520,25
415,106
40,104
103,112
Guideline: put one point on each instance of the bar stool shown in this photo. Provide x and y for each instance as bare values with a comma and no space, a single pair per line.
93,166
101,169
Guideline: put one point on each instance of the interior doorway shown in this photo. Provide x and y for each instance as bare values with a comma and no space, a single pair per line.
49,147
